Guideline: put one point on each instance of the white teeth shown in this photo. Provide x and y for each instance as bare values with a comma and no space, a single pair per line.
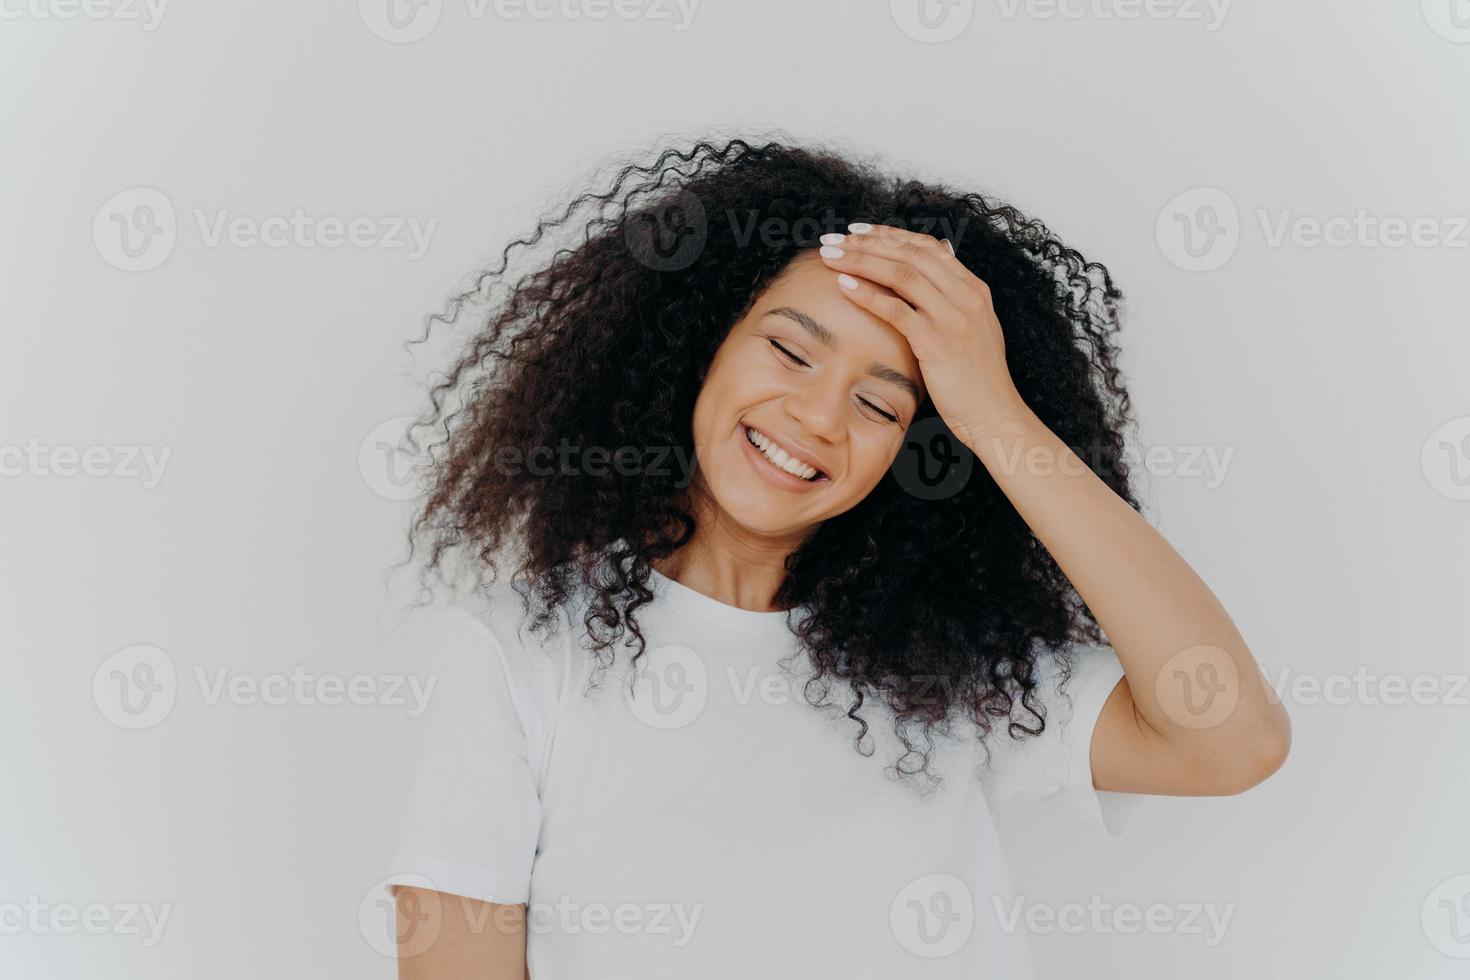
778,456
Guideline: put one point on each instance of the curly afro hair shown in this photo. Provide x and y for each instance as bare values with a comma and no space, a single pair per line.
932,604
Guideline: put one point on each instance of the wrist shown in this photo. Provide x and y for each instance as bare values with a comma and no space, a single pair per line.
1005,418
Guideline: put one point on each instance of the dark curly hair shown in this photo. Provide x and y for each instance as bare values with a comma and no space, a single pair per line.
605,345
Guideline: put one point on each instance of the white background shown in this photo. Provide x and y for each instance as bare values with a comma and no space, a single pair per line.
1335,536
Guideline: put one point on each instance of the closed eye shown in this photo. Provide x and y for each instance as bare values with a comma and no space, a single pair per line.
787,354
886,415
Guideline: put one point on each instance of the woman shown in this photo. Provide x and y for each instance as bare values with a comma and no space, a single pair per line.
839,459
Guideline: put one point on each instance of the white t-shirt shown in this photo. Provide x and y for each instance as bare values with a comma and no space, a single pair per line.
713,823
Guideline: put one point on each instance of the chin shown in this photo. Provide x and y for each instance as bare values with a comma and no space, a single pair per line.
757,507
746,508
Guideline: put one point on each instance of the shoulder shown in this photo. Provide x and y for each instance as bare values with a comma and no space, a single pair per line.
498,612
1072,685
472,817
483,641
1075,681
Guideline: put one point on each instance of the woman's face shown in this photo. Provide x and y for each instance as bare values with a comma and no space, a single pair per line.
824,387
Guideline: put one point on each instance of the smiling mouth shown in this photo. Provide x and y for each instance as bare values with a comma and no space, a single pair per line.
779,459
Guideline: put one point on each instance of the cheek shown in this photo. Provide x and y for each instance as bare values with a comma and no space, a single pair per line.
730,388
715,409
871,454
711,395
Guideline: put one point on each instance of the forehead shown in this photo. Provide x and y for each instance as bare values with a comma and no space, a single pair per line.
808,284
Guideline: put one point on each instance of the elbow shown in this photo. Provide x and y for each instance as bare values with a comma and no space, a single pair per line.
1257,760
1270,758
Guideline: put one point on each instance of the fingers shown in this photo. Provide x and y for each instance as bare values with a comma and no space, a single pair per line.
885,306
929,246
902,273
925,253
916,267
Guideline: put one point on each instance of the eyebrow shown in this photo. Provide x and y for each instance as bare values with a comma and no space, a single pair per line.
827,338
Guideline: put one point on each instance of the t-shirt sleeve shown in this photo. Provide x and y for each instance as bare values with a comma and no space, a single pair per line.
471,821
1056,765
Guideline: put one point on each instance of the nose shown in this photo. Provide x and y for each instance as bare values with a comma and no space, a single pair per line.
818,408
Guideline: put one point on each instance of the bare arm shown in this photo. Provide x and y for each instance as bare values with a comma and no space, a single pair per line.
1193,715
449,937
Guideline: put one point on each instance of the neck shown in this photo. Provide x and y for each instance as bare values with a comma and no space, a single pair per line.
730,563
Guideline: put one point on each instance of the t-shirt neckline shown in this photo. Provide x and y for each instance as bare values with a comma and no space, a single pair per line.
716,613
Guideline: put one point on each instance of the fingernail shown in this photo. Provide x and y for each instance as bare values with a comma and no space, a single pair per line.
847,282
949,246
831,252
859,227
833,238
